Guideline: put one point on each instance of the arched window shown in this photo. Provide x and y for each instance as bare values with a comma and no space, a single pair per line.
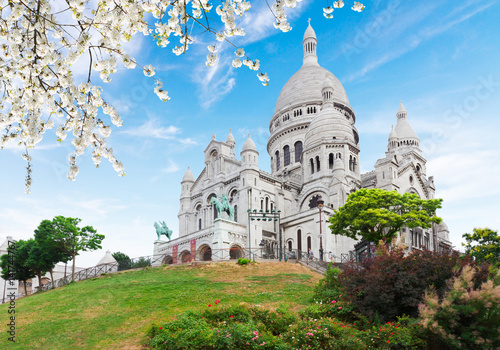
277,154
267,203
262,204
199,224
309,245
330,161
298,151
289,246
317,163
350,163
354,163
286,155
312,165
235,213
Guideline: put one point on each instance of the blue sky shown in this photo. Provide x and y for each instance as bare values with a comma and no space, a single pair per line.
441,58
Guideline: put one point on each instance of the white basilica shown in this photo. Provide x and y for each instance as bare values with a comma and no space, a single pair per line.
314,150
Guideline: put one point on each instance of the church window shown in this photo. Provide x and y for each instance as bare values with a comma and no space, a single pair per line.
418,168
272,206
330,161
277,154
354,163
314,109
235,213
411,180
289,246
286,155
262,204
267,203
199,224
317,163
298,151
312,165
383,175
309,244
339,156
350,163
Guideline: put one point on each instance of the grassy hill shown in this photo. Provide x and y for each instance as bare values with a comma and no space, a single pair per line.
114,311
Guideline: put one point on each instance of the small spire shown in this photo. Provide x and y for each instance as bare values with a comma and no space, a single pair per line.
213,137
309,22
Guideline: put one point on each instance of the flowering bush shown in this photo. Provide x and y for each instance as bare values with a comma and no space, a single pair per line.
467,317
240,327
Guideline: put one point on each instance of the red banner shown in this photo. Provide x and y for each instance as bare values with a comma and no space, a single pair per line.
174,254
193,249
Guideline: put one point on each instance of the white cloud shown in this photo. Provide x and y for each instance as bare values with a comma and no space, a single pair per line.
151,129
172,167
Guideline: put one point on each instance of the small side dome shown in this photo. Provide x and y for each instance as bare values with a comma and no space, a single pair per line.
393,135
401,110
188,176
309,33
442,227
249,145
230,138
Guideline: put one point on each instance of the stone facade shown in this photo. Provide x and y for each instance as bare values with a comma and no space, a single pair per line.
314,150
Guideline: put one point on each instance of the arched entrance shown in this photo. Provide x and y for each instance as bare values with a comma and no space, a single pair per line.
185,256
168,260
205,253
236,252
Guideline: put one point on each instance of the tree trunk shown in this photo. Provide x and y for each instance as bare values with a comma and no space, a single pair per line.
73,272
25,290
52,278
39,276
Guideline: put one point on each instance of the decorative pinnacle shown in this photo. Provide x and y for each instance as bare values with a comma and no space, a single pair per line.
309,21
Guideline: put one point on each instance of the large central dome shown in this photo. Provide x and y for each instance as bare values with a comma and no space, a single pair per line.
305,86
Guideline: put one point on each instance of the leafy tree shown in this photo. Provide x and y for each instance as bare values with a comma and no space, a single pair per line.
20,253
41,44
376,214
484,245
71,239
52,253
124,262
141,262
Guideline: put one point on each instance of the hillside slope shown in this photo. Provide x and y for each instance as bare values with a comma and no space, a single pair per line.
113,311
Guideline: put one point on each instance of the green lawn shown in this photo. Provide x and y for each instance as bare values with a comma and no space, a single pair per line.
113,311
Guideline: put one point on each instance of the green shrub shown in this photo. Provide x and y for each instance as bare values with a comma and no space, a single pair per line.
243,261
467,317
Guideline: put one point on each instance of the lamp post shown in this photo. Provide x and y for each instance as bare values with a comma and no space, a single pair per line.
264,215
320,205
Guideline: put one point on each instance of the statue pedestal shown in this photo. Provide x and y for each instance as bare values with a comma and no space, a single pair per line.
227,234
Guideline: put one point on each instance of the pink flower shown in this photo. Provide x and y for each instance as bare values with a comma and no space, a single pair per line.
161,327
227,336
209,305
333,301
256,332
340,307
231,316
